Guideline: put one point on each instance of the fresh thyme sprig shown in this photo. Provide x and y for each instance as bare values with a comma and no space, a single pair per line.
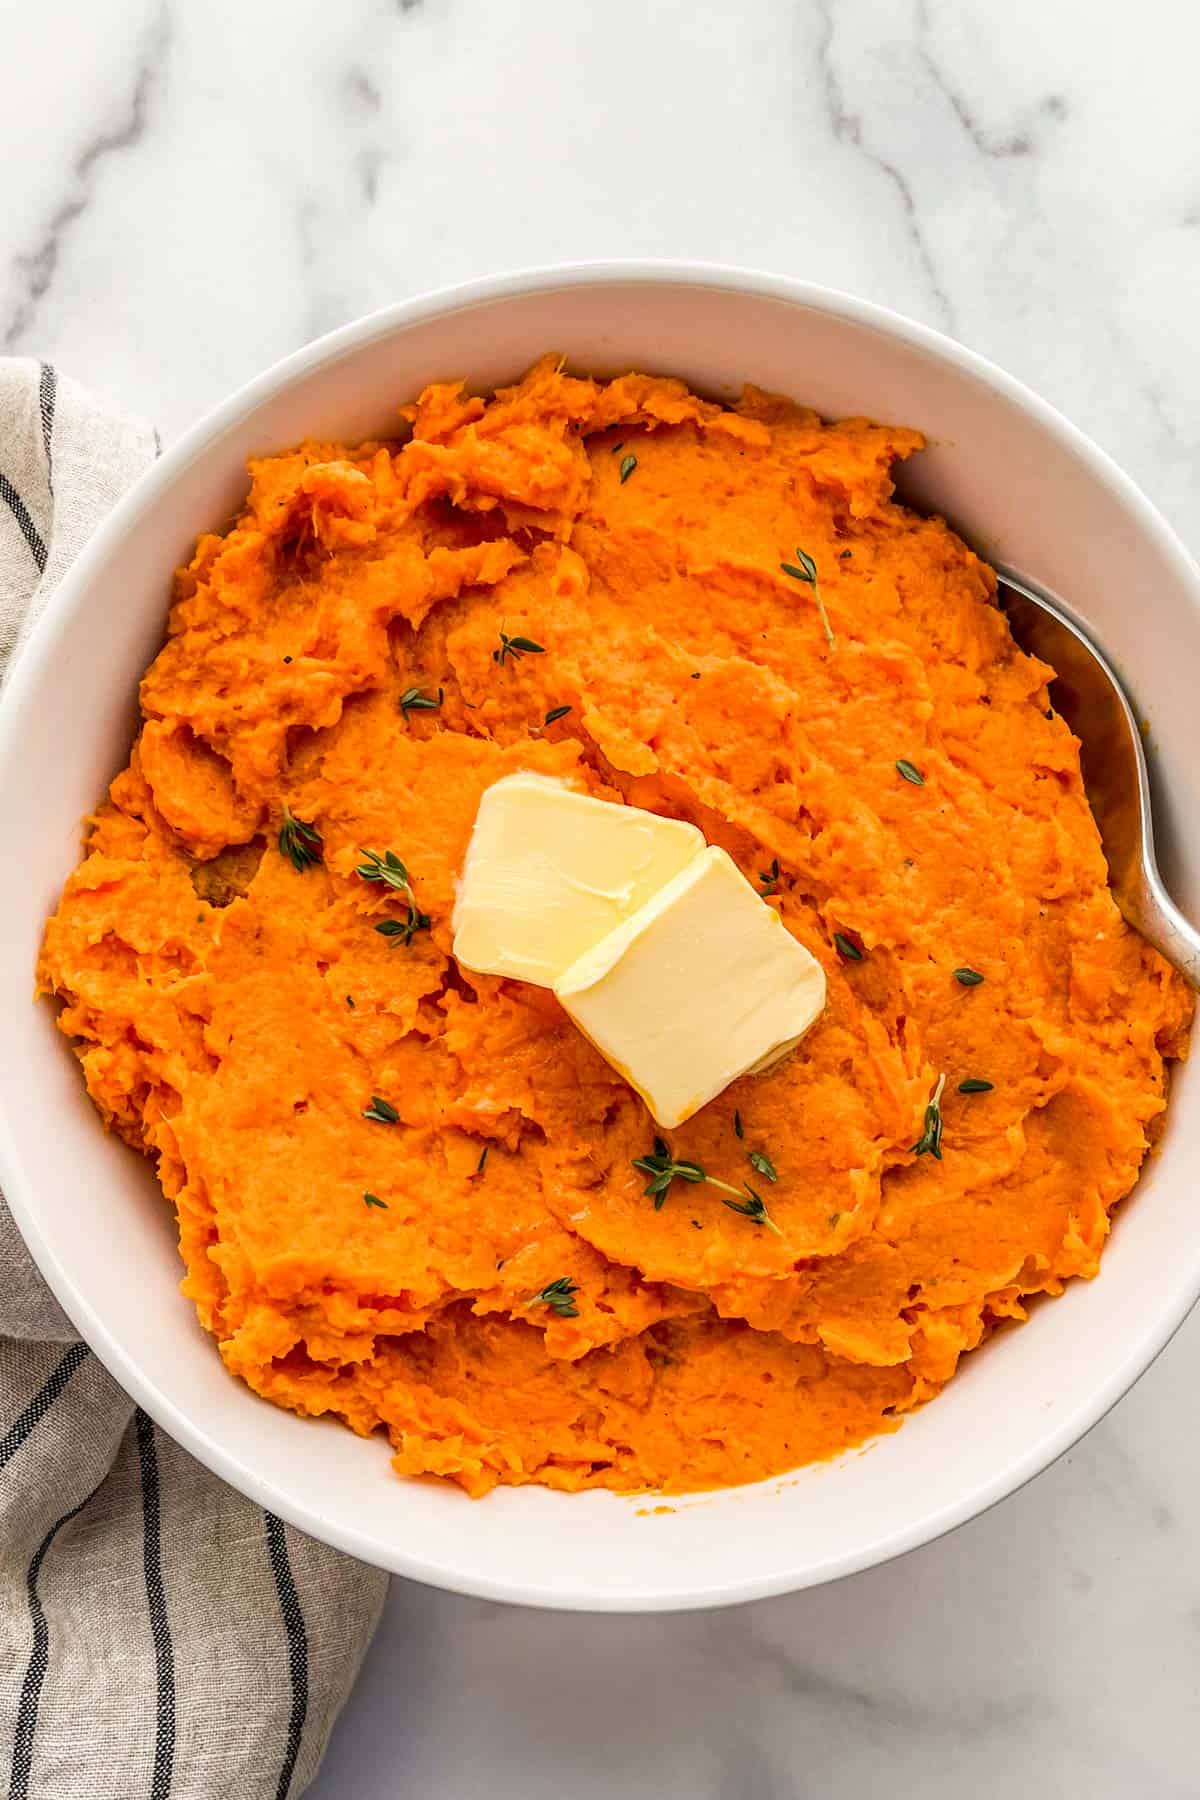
374,1200
559,1296
769,877
405,930
299,842
805,569
415,699
931,1138
663,1169
382,1111
516,647
389,870
754,1208
386,868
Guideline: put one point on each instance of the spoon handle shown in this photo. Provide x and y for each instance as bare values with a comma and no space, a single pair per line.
1149,908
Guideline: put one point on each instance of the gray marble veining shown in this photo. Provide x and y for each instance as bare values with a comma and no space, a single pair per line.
196,189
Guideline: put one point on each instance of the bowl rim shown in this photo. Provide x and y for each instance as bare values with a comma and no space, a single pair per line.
39,649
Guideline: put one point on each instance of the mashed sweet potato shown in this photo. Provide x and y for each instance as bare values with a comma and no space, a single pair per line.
337,653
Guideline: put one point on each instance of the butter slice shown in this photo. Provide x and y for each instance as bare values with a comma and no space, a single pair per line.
550,872
703,985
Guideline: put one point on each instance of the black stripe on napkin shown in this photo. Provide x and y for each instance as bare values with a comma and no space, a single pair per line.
297,1642
160,1625
47,396
20,513
39,1660
41,1403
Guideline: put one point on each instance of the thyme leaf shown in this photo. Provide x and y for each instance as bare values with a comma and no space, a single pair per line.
754,1208
414,699
381,1110
516,647
559,1296
386,868
299,842
807,570
931,1138
663,1169
405,930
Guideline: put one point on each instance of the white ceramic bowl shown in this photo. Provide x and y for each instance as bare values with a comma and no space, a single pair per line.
1027,490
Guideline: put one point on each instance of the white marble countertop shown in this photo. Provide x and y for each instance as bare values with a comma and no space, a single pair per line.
195,189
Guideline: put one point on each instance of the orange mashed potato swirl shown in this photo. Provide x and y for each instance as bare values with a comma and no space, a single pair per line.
236,1011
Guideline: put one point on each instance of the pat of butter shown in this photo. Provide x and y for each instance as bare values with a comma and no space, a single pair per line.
549,872
703,985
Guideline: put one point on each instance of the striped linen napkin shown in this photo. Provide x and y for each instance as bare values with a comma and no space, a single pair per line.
159,1634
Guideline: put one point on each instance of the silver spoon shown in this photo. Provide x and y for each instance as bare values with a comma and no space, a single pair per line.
1088,695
